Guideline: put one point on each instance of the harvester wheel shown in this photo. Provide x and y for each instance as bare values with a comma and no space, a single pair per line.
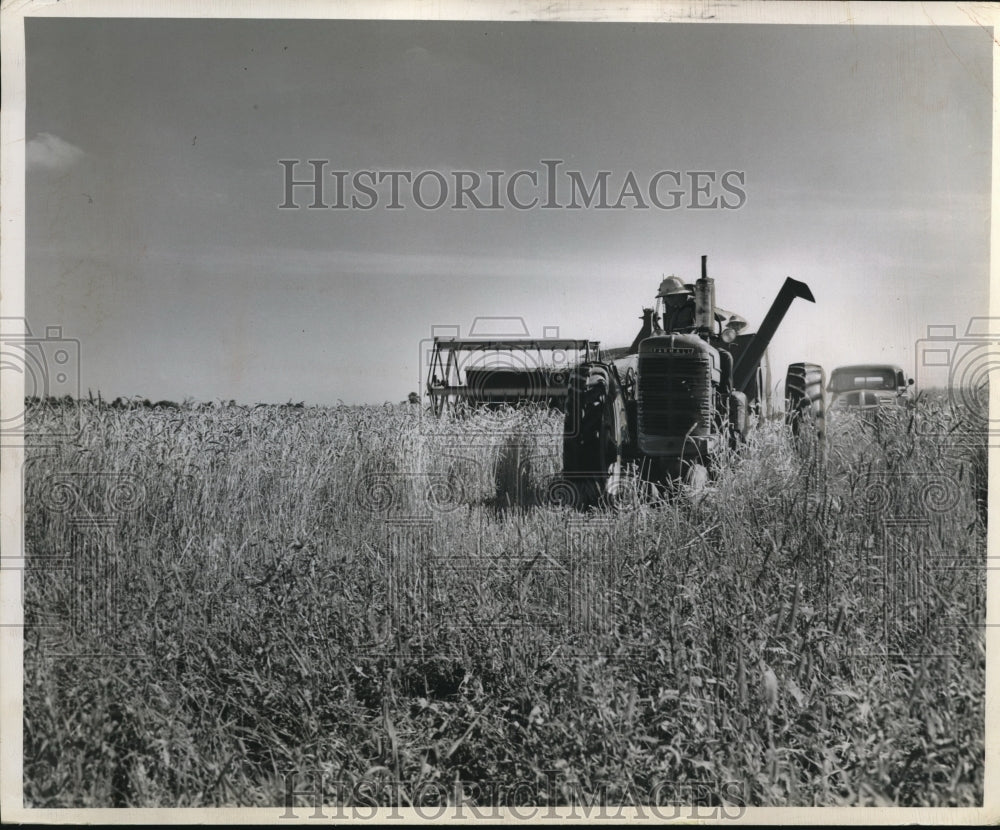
805,407
595,427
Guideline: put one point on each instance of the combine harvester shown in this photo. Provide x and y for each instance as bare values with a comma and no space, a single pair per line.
666,405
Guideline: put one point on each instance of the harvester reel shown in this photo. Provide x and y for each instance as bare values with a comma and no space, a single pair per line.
805,406
595,431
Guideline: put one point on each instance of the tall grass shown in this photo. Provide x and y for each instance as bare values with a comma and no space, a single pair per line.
370,594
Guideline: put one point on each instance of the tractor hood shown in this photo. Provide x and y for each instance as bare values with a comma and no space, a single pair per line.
673,346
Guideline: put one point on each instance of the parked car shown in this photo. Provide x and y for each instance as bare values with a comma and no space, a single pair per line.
869,386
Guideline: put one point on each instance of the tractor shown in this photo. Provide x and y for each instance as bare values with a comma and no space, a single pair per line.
672,402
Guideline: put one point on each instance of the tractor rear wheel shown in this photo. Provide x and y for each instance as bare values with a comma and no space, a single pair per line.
805,406
594,433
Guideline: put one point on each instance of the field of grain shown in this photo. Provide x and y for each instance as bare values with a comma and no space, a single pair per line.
223,599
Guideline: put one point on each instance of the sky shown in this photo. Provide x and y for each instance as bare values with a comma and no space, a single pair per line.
860,158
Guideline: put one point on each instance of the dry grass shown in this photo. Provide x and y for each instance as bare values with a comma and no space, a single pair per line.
369,594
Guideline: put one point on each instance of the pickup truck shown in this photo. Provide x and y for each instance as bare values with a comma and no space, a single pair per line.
869,386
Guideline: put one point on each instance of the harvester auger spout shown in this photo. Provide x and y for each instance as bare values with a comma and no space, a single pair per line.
746,366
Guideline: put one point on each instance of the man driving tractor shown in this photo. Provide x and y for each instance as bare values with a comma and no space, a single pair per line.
677,307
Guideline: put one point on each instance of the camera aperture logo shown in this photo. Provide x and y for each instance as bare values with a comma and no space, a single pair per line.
41,368
311,185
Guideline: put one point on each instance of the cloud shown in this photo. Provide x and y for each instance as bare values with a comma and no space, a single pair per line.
49,152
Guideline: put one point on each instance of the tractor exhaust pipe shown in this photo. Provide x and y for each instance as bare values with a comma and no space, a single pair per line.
704,299
746,366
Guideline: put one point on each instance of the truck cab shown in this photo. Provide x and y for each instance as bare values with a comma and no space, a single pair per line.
869,386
